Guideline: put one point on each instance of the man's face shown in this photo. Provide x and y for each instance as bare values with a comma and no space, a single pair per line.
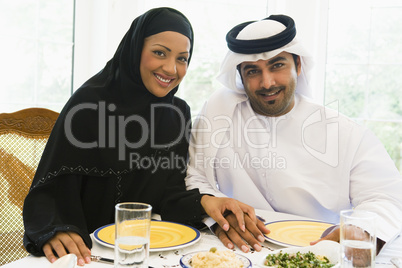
270,84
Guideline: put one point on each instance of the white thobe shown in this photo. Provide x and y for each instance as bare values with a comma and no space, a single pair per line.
311,162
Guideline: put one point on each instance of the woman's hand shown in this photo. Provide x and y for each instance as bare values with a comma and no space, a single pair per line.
216,207
64,243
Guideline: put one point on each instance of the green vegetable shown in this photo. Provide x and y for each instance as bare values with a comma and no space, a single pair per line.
297,260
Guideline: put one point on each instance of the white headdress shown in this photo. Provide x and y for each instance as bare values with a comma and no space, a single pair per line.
261,31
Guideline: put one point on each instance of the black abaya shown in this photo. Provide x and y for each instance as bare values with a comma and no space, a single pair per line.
94,159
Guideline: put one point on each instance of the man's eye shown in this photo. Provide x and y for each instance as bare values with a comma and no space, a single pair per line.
251,72
278,65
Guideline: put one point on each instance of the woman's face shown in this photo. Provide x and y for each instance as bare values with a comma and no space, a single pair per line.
164,61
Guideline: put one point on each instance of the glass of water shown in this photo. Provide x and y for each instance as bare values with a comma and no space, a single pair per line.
358,238
133,228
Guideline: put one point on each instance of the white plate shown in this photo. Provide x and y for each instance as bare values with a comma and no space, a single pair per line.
327,248
185,260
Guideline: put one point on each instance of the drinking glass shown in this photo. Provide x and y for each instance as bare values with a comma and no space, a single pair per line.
133,228
358,238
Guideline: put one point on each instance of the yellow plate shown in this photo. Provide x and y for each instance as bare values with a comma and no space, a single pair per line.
295,233
164,235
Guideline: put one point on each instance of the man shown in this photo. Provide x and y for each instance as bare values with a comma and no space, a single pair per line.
262,141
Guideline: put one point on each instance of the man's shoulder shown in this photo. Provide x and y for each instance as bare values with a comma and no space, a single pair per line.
226,95
223,102
224,92
328,113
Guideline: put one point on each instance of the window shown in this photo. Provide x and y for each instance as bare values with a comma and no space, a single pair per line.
36,38
363,67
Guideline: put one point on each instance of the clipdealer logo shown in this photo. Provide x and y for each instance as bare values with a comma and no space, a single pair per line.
112,128
246,161
329,154
251,134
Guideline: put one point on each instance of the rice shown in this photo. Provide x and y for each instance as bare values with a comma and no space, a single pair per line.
216,258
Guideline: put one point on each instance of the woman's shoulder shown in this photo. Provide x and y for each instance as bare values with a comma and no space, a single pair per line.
88,94
180,103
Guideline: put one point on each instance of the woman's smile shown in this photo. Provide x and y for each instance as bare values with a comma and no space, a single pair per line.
163,80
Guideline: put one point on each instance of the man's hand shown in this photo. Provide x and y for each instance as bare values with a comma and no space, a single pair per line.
253,235
334,235
361,257
67,242
216,207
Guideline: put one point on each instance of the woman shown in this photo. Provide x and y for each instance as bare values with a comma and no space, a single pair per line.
122,136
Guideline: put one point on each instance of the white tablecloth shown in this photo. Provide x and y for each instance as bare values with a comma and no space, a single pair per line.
171,259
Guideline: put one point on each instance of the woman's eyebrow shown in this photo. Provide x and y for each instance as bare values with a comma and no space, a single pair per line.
168,49
165,47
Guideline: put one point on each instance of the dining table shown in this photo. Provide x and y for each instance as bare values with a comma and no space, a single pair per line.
171,258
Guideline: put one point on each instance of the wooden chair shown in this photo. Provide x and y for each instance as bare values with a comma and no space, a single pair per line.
23,136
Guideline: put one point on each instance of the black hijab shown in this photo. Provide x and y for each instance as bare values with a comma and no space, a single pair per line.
112,114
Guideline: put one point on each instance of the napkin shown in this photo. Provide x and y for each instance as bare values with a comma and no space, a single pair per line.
67,261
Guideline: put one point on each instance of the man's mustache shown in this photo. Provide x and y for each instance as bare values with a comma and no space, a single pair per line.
270,90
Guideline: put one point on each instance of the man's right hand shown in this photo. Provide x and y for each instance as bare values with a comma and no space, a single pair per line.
64,243
253,235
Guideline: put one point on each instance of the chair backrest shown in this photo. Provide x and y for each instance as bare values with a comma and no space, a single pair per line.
23,136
